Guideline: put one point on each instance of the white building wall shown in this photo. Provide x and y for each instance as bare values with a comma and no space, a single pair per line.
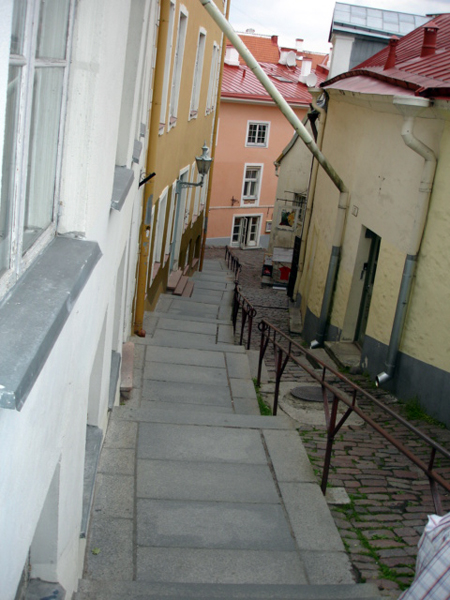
42,447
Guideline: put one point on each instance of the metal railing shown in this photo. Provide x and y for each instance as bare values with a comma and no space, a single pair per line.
286,349
233,263
248,313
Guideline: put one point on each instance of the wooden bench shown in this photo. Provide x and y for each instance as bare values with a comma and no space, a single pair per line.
187,292
174,279
178,291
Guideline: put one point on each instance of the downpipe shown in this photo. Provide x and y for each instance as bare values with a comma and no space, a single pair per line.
410,108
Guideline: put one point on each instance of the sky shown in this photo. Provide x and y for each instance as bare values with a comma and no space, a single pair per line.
310,20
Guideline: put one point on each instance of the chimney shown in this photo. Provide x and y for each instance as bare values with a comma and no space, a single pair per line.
274,39
299,45
429,39
390,61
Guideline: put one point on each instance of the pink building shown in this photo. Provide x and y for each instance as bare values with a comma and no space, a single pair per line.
252,132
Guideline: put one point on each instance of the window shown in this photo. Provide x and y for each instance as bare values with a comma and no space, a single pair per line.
159,231
252,184
37,85
169,234
198,70
177,67
187,210
213,80
257,134
165,87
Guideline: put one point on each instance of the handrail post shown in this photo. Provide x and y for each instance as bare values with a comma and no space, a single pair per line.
329,448
235,306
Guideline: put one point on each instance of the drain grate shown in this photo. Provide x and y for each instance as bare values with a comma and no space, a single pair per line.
308,393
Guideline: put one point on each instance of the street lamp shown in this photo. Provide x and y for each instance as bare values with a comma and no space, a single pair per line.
203,165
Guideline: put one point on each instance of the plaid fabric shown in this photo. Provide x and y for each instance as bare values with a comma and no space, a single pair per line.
432,580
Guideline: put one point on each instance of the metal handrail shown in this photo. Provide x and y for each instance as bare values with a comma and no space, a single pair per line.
248,313
233,263
284,346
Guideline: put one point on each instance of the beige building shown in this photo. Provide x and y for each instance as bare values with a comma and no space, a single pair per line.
375,270
185,98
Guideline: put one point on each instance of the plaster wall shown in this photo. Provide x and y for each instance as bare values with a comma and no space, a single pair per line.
342,51
366,149
232,155
47,438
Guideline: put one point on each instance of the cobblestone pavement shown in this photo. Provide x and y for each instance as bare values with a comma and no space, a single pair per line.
390,497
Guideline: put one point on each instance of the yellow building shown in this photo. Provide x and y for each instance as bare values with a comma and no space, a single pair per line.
183,116
378,278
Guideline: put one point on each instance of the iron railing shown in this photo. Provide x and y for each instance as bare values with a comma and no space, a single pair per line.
286,349
233,263
248,313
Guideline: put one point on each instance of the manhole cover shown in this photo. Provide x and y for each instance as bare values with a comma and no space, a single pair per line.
308,393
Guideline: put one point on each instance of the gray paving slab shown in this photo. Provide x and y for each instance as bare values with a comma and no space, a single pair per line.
114,496
238,367
242,388
288,456
225,525
195,565
310,517
208,419
225,334
246,406
120,434
213,285
187,326
164,302
324,568
186,374
205,481
182,339
190,393
117,461
213,277
109,553
224,312
209,444
206,295
194,319
183,356
194,309
174,407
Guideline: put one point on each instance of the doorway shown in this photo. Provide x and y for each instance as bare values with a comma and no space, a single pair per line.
368,275
246,232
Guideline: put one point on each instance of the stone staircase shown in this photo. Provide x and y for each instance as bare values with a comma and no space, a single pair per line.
198,495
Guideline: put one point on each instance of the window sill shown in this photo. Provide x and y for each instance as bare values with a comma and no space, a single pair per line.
34,313
123,180
137,150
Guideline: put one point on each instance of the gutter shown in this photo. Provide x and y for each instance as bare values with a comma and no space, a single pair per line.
410,107
312,147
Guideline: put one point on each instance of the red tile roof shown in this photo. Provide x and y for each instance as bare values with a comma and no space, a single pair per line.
426,76
240,83
264,49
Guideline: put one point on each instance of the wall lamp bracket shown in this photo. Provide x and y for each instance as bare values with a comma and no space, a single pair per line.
146,178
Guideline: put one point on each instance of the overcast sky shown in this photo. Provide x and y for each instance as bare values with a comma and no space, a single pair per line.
311,20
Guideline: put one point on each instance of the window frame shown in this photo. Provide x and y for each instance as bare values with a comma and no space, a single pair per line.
258,124
198,74
167,64
211,97
252,200
30,64
178,66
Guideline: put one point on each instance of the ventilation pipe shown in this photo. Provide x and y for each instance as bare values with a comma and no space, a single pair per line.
410,107
392,55
429,39
312,147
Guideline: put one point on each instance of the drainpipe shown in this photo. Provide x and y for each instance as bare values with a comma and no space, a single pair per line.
144,240
312,147
410,107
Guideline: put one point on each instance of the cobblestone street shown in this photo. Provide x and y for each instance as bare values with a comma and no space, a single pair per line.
390,497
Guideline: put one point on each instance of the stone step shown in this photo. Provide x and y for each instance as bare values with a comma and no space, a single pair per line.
118,590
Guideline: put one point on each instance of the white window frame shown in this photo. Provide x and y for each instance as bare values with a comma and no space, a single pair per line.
258,124
169,234
252,200
237,243
167,63
159,228
178,66
198,74
29,64
211,97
